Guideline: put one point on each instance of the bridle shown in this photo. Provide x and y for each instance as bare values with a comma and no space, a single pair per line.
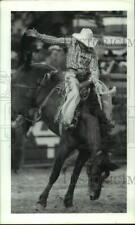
37,88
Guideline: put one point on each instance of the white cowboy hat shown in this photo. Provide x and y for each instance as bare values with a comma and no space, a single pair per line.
54,47
86,37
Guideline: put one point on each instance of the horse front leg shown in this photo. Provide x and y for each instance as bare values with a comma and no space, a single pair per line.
19,128
81,159
63,152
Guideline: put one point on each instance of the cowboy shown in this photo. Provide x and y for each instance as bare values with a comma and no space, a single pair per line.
81,65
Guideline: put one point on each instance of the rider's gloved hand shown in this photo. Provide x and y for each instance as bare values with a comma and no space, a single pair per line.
32,33
93,80
96,83
98,87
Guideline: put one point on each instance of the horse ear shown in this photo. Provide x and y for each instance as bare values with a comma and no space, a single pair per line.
112,166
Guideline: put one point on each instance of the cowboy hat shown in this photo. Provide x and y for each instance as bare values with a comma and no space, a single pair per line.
54,47
86,37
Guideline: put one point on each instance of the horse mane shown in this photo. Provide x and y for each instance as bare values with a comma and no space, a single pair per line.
25,53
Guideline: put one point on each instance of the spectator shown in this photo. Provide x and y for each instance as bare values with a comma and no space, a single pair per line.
56,57
14,60
105,69
123,63
123,67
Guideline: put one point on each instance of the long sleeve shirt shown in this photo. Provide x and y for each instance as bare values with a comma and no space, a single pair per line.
83,62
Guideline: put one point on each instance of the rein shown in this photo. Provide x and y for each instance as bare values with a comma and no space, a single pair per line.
32,121
23,86
106,90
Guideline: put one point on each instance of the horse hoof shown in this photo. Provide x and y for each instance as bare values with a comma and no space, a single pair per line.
39,207
92,198
42,203
68,203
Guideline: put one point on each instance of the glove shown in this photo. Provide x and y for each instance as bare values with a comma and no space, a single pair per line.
93,80
32,33
96,83
98,87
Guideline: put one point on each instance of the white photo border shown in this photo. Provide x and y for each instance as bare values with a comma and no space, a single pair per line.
5,100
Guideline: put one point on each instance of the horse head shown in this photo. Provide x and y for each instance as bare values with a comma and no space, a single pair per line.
98,169
29,88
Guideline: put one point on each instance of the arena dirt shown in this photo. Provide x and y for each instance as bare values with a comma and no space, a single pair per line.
28,184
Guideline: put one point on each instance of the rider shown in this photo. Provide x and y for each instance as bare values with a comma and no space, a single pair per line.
81,65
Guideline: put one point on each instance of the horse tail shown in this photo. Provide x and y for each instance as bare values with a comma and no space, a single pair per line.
25,56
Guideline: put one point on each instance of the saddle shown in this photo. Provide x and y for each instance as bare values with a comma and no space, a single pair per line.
59,90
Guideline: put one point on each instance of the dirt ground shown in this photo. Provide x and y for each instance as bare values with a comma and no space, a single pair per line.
28,184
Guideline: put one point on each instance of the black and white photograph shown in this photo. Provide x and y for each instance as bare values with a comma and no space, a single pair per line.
68,105
67,112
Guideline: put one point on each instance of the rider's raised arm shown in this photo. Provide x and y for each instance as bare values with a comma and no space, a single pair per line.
49,39
54,40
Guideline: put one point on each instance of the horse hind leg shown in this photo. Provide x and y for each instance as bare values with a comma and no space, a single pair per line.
64,150
81,159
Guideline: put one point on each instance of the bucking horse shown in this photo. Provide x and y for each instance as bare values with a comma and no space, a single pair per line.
31,90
